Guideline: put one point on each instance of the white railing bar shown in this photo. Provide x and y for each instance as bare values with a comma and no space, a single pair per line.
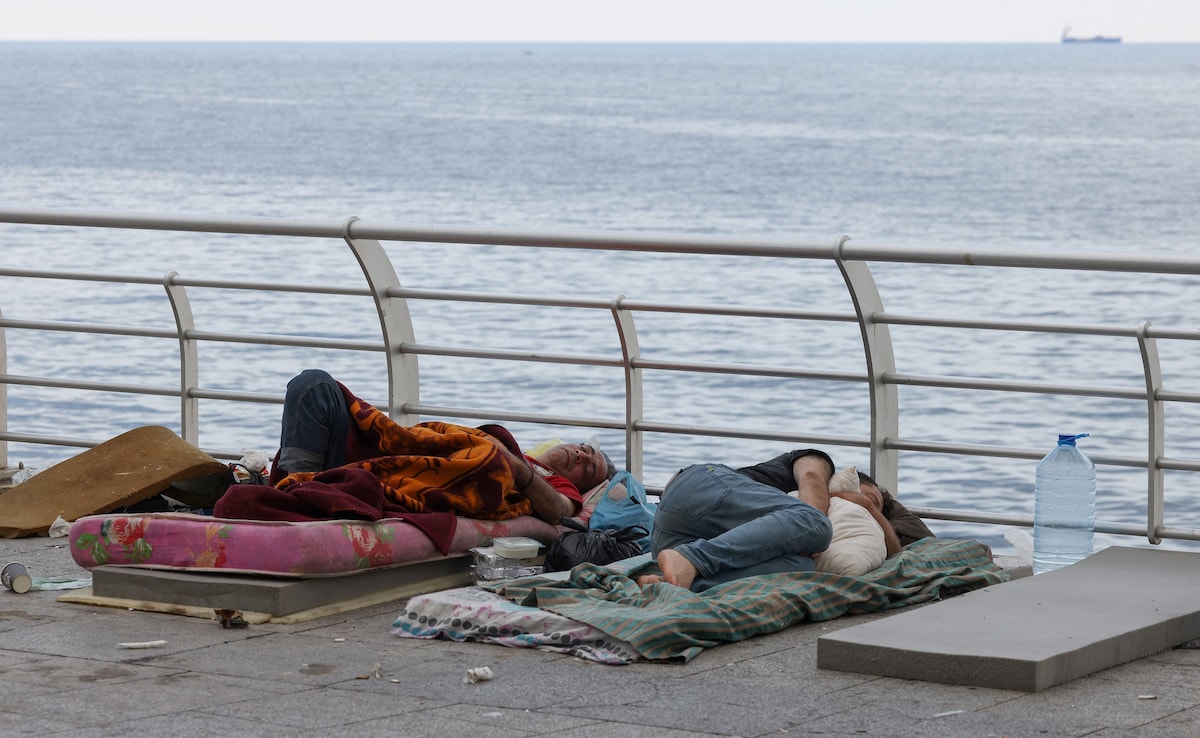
1045,389
84,443
746,433
345,344
68,327
625,241
738,312
1113,331
442,295
508,355
1079,261
626,304
47,440
206,394
1010,325
248,338
747,370
599,240
228,284
316,289
446,411
137,389
1009,386
1026,521
963,449
1167,462
680,366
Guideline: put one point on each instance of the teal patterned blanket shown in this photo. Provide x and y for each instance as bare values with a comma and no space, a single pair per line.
664,622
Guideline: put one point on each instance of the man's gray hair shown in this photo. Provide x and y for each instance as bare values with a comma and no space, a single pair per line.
610,469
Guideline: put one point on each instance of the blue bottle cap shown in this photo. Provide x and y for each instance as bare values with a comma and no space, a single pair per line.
1069,440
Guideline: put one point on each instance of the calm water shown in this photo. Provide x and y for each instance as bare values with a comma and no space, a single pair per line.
1007,146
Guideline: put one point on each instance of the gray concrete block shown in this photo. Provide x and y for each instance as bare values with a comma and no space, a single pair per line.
271,595
1032,633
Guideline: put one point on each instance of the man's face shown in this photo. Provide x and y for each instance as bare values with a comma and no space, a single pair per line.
872,492
582,465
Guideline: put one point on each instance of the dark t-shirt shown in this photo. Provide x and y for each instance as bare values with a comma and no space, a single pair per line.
778,473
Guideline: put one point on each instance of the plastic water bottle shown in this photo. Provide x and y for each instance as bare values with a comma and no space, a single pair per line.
1064,508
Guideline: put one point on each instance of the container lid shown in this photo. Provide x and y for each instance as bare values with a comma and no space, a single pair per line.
516,547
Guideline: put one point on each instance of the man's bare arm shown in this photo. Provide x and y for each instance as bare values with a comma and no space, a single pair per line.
889,533
812,474
548,503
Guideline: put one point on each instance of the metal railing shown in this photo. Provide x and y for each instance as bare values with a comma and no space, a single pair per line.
402,353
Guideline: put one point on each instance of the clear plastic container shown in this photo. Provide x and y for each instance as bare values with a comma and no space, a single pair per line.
489,567
516,548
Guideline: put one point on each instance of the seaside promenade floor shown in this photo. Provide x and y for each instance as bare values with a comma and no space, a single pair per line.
63,672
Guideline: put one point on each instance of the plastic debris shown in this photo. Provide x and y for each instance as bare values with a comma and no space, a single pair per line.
253,461
59,528
478,674
23,473
1147,696
142,644
57,583
1023,542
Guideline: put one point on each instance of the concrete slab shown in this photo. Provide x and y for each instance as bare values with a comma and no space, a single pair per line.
273,596
1032,633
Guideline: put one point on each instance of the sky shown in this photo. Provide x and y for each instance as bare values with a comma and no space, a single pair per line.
903,21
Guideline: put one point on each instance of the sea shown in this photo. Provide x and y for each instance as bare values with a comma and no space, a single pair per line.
1046,147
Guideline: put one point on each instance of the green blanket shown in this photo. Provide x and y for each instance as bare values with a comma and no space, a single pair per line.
665,622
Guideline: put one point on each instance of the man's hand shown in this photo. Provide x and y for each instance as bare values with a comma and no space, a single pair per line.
870,499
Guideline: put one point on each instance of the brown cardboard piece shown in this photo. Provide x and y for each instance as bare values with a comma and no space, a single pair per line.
122,471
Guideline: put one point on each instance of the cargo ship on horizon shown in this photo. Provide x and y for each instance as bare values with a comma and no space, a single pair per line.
1067,38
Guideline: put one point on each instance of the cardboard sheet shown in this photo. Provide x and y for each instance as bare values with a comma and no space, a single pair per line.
122,471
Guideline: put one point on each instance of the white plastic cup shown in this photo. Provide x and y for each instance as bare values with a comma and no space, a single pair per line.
16,577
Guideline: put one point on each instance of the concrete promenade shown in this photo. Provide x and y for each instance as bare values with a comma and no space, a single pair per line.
63,672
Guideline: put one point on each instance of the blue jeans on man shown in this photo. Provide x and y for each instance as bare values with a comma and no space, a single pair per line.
316,421
730,526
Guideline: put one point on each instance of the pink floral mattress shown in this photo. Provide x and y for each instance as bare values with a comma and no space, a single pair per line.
188,542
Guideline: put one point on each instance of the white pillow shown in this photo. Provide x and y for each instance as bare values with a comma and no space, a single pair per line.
858,546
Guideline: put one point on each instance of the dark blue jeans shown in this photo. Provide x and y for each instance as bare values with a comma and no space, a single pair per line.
731,526
315,423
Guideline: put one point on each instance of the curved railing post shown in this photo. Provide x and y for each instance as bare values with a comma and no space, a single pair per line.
1155,432
3,397
404,385
630,351
189,360
881,361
